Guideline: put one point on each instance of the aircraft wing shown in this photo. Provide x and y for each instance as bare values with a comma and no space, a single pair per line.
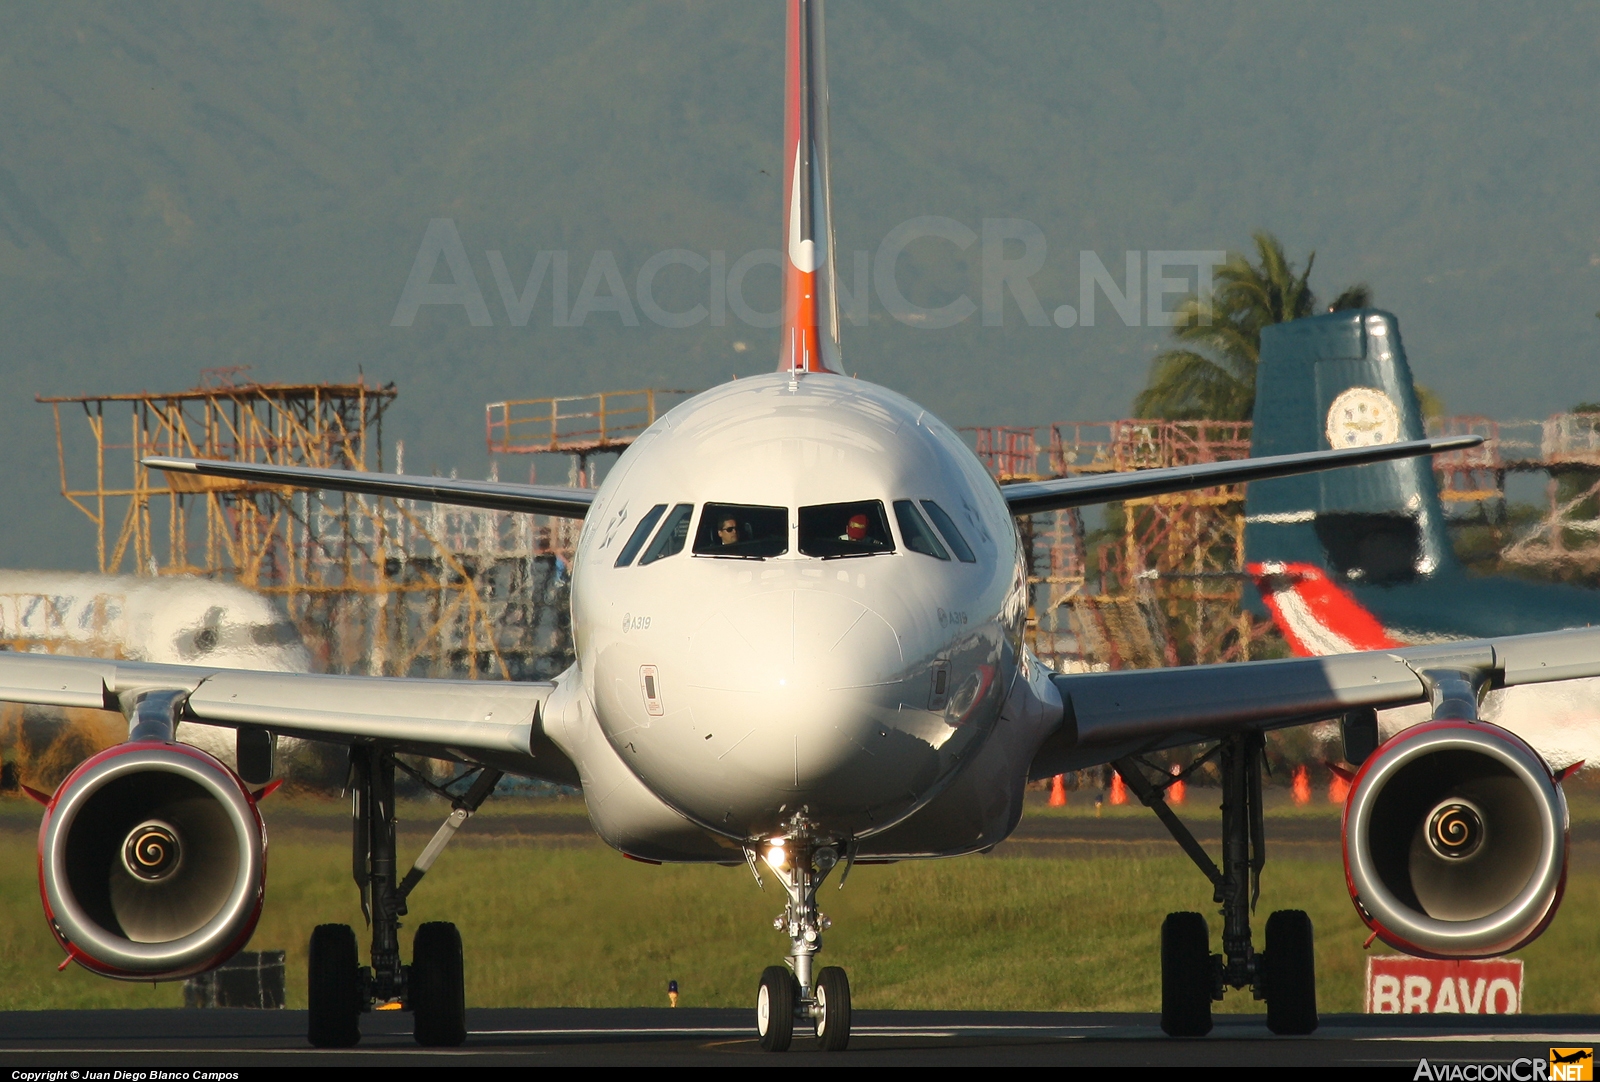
472,720
1032,497
1108,715
557,500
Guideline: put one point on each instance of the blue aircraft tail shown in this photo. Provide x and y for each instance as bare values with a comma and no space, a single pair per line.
1359,558
1341,380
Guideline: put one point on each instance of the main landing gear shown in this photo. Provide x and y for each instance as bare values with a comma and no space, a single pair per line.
796,992
432,987
1284,973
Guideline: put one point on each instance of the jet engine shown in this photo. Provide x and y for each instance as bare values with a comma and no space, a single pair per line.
152,862
1455,841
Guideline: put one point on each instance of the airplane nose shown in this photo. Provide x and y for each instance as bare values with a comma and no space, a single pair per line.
804,687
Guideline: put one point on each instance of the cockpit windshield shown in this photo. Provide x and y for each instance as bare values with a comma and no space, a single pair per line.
742,531
674,532
915,532
834,530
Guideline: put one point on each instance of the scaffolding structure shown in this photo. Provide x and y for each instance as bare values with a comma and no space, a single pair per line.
1162,584
397,587
1565,447
374,586
578,428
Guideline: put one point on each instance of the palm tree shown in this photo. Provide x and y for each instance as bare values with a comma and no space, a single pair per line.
1212,375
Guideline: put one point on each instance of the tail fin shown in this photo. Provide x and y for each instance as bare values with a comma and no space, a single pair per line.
810,311
1341,380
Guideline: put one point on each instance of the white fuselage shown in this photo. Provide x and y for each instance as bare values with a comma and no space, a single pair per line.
174,620
740,688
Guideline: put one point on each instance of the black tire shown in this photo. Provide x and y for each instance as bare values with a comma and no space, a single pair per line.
1289,973
833,997
775,1001
1186,975
437,990
334,992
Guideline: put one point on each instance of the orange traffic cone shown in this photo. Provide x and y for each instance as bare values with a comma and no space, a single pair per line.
1058,791
1177,791
1302,785
1119,789
1338,789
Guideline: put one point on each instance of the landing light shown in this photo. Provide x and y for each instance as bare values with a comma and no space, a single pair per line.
776,857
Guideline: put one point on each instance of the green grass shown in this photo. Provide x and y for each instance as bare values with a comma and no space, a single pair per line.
580,926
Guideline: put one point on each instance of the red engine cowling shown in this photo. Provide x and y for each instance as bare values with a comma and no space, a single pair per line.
152,862
1455,841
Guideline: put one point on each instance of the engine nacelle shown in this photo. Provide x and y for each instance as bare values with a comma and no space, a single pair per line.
152,862
1455,841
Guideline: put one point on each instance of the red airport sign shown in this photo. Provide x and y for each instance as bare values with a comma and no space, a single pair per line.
1399,984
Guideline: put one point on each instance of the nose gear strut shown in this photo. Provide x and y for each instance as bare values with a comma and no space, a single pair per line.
801,862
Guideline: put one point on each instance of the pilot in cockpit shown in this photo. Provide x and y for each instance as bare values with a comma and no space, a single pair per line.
855,529
728,530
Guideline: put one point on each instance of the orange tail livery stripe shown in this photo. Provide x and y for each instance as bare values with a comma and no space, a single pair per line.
810,314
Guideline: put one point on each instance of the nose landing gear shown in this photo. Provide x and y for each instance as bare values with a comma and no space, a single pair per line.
796,993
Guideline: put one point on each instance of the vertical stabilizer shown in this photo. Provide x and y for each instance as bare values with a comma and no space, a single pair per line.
1342,558
1331,381
810,312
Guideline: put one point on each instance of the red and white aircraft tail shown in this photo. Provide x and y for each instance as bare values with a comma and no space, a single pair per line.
810,311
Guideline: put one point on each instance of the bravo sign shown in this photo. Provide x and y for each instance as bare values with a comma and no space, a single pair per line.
1397,984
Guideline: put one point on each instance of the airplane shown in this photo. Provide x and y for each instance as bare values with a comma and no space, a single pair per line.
174,619
798,604
1363,560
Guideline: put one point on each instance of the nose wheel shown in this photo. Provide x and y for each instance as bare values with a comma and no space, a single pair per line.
776,1001
833,1009
797,992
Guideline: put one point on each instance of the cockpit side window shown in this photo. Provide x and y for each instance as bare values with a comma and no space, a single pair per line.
947,527
743,531
833,530
674,532
915,532
641,533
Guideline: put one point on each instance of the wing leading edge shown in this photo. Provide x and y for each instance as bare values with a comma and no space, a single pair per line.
555,500
1108,715
1032,497
474,720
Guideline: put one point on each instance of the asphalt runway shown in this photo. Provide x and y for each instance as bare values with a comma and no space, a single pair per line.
269,1042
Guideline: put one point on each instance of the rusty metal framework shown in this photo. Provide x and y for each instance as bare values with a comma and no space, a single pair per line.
579,426
211,524
1162,583
578,435
396,587
1565,541
374,586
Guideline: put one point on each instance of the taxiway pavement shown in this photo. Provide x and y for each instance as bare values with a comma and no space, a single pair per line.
268,1042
